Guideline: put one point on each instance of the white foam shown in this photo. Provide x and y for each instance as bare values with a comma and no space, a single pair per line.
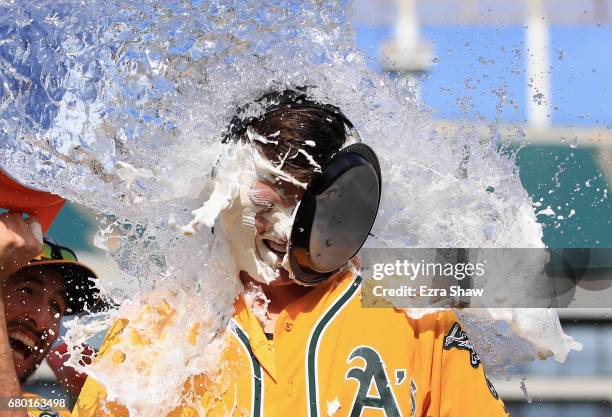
548,211
256,137
311,161
333,407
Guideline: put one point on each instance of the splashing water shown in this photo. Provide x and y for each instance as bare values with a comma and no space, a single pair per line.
121,106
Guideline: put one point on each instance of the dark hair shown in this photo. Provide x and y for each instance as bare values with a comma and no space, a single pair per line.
296,128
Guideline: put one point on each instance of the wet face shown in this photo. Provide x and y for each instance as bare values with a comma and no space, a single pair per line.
275,159
258,225
35,303
276,203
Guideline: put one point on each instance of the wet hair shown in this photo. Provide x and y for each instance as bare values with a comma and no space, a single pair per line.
297,129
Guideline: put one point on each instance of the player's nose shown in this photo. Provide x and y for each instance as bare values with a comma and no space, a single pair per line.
42,319
261,224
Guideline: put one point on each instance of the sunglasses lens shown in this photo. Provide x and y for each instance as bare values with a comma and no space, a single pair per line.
47,253
68,255
52,252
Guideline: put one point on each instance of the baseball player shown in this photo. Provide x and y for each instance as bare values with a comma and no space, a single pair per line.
20,240
36,297
314,351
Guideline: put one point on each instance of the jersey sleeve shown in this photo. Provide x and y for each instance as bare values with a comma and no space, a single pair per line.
92,399
459,386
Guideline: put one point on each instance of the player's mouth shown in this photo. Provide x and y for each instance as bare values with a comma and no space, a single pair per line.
23,343
279,248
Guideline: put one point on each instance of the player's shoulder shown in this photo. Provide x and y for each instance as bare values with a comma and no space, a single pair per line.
112,336
433,323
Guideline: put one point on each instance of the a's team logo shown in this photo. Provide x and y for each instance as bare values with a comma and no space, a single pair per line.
413,390
47,411
400,375
456,338
374,387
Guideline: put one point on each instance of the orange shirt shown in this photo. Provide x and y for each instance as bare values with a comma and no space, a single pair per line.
330,357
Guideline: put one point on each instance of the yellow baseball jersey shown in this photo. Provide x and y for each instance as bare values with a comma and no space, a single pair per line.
328,356
44,407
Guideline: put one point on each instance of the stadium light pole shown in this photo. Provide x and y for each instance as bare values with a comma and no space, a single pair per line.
407,54
537,44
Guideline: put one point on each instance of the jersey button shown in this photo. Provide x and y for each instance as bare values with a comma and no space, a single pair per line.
288,326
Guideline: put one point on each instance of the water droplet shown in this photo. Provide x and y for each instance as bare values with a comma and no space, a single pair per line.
538,98
560,54
485,61
524,389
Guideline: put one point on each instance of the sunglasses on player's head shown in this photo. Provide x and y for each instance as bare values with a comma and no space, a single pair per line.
54,252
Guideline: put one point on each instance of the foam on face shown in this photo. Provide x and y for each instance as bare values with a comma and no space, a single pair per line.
234,202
